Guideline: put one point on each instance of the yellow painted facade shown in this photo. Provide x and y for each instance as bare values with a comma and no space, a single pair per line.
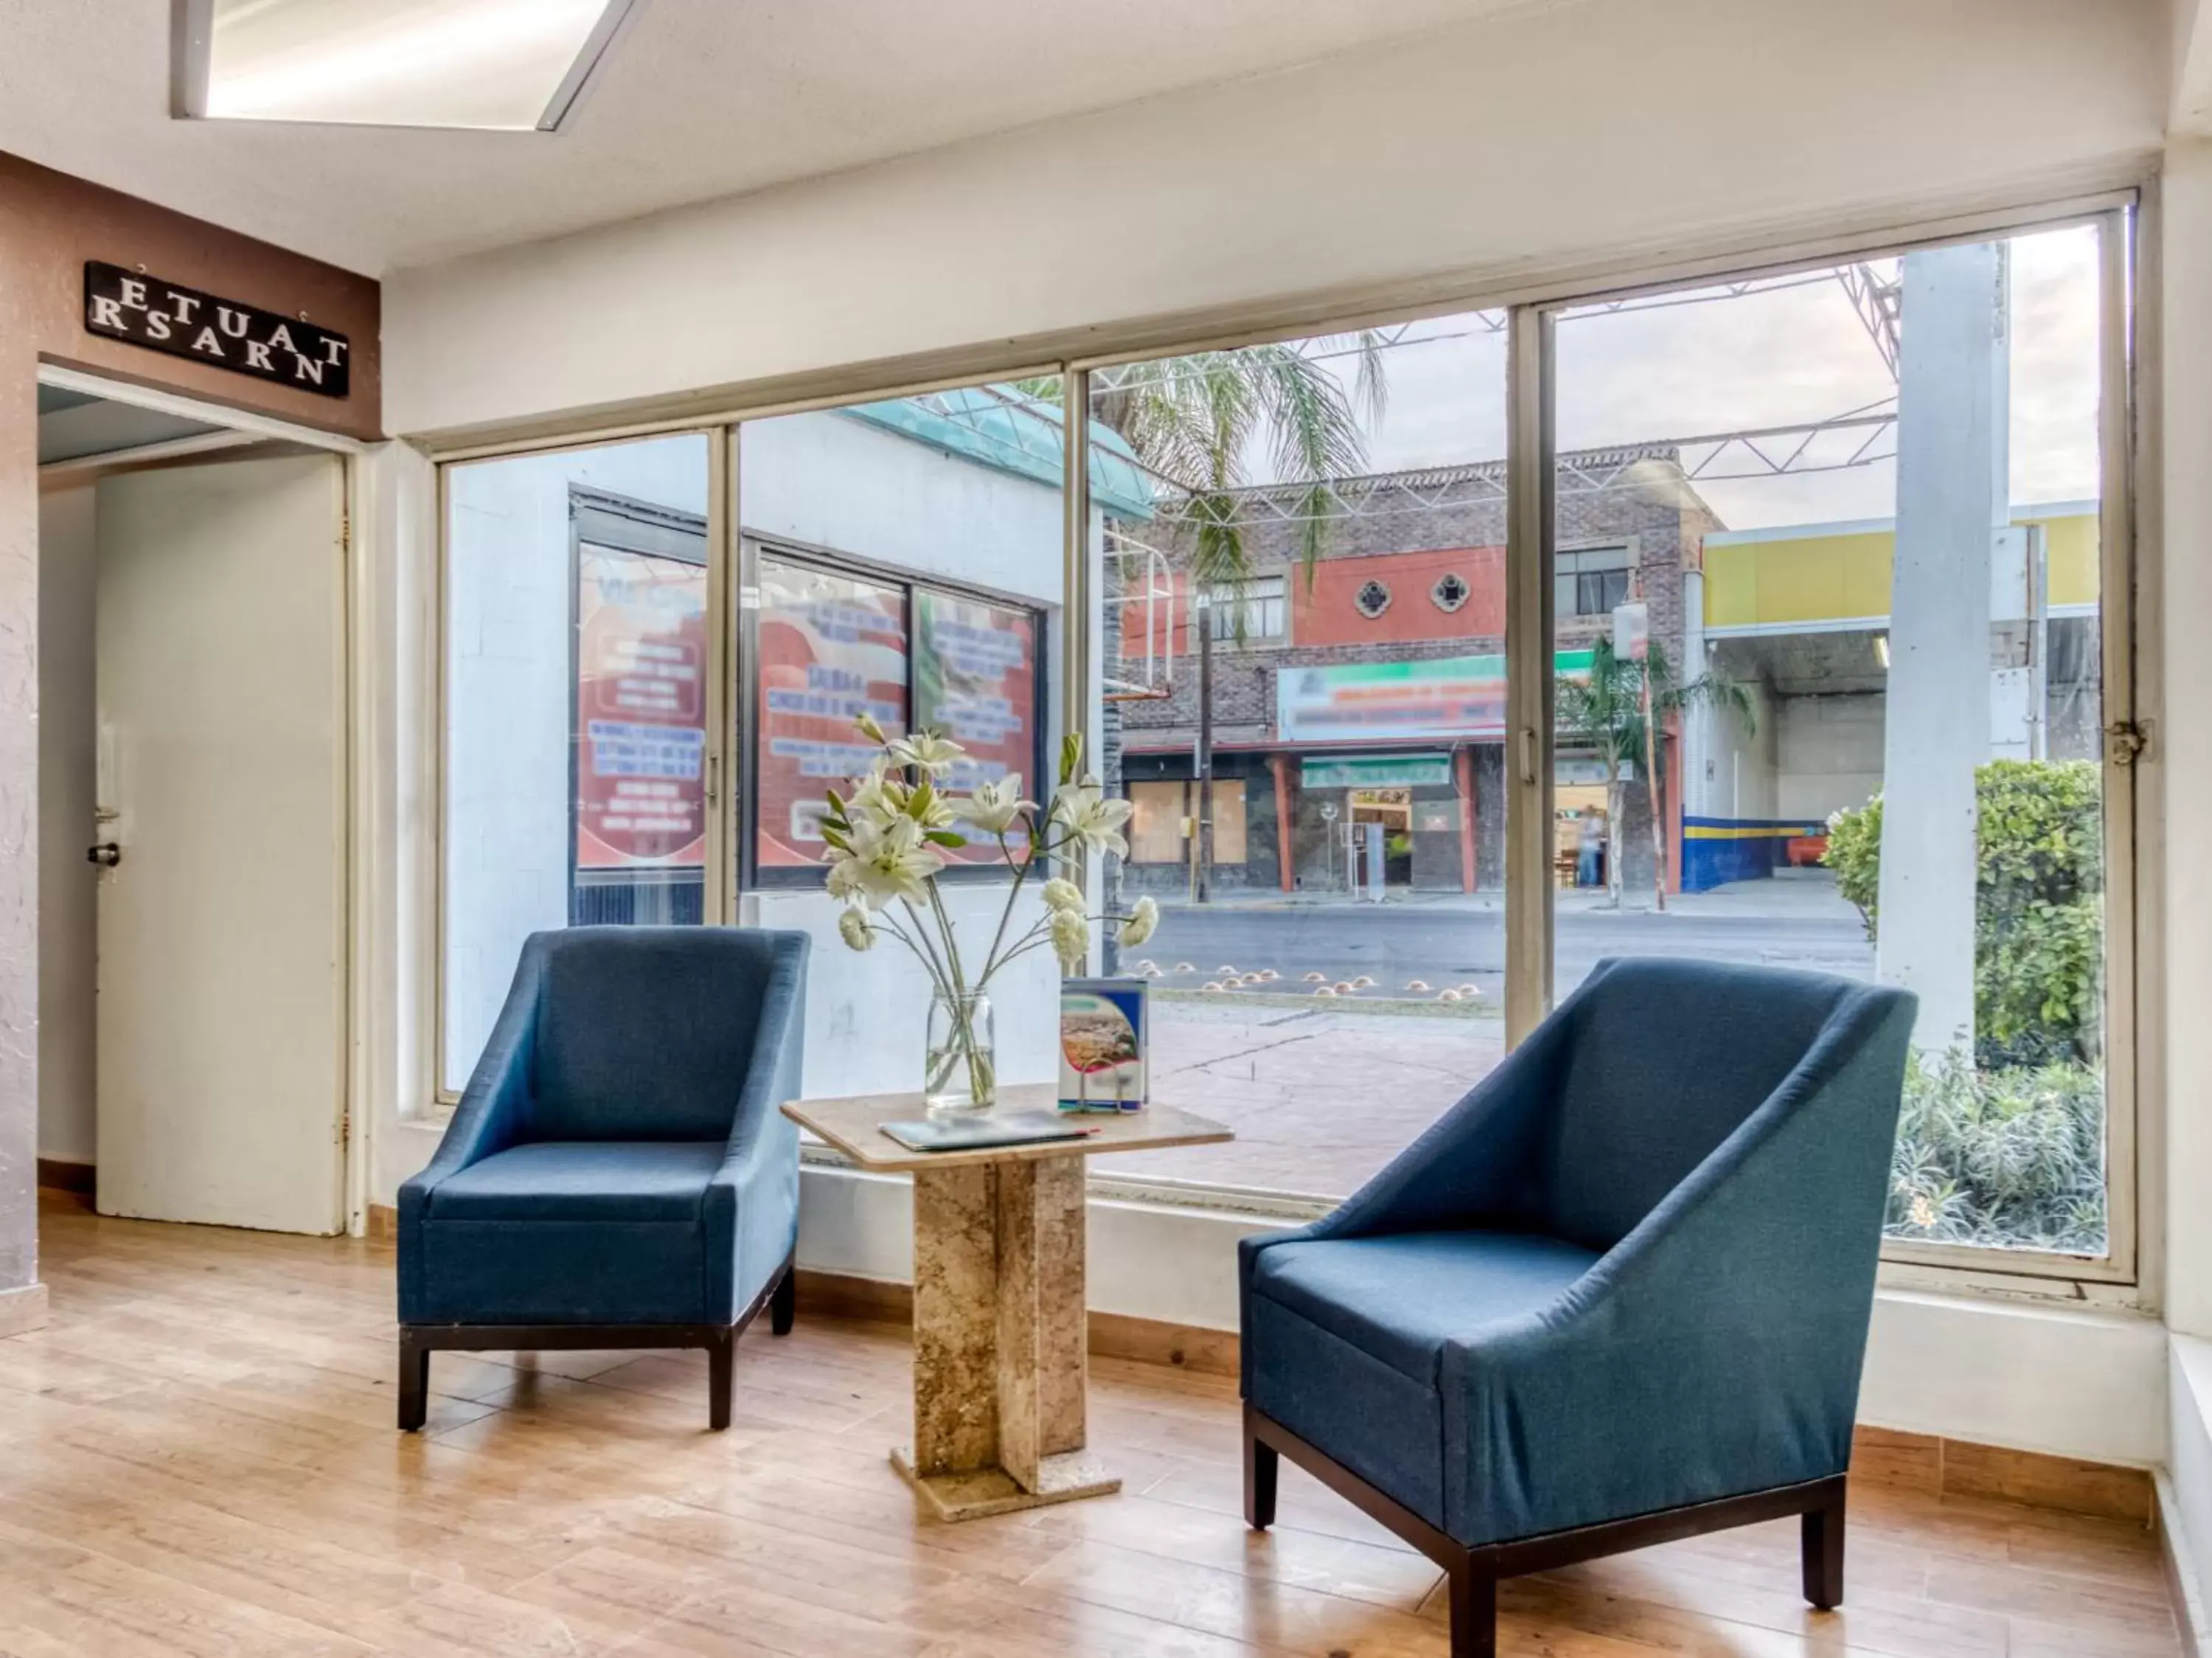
1775,578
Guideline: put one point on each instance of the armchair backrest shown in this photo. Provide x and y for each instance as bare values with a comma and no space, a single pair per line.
648,1033
1665,1060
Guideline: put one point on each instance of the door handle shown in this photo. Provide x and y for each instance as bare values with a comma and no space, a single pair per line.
106,855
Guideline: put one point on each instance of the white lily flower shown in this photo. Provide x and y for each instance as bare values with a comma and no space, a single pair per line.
854,928
926,749
1141,922
1061,893
1070,937
996,808
879,798
888,863
1092,818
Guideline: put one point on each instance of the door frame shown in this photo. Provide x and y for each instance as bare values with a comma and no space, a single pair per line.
355,756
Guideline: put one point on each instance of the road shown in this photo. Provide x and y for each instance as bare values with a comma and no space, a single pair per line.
1448,943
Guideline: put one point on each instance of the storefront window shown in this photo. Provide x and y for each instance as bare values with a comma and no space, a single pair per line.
575,681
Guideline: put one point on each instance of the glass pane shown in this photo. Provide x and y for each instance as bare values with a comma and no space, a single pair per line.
903,559
1327,973
1842,712
574,707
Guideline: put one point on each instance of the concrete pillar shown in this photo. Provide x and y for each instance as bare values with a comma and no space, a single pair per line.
1954,394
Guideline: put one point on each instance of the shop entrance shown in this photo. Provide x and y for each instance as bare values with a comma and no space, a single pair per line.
192,916
1580,843
1394,809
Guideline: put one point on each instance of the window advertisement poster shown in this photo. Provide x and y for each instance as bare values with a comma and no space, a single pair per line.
975,681
641,711
830,647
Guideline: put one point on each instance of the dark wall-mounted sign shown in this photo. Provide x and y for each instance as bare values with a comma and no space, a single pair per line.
186,323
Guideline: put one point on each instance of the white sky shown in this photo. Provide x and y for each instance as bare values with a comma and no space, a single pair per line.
1785,356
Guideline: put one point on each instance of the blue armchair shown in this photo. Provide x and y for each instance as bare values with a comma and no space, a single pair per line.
619,1173
1619,1294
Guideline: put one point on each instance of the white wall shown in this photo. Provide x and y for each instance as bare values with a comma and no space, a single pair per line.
832,481
508,689
1731,773
1514,144
2188,1491
1828,754
2184,756
67,884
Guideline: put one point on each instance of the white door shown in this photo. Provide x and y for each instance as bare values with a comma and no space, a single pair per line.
221,707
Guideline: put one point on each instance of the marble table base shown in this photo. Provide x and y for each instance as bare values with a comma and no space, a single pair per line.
1000,1339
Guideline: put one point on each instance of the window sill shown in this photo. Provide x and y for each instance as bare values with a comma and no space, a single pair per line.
1966,1278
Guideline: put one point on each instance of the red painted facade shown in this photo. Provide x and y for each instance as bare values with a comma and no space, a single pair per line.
1327,613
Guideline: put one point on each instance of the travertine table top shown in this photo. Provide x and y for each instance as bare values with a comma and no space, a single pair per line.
854,1126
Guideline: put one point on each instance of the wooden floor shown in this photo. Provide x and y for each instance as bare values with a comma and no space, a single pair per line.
197,1457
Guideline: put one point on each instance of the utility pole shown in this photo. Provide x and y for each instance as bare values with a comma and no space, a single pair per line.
1205,610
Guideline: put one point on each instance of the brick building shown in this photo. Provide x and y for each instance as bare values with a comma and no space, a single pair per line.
1374,689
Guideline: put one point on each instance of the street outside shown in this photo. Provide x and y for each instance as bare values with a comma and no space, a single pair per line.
1320,1094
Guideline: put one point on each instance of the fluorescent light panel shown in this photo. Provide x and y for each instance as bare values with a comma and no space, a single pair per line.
505,65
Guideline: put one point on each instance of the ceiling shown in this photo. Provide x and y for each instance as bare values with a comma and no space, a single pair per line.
702,98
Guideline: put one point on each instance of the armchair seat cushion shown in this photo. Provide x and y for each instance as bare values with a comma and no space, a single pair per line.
582,1180
1399,1298
1344,1340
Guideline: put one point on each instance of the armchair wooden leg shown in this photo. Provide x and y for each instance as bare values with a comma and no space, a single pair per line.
783,1305
1262,1463
1474,1613
414,1381
1823,1543
721,1365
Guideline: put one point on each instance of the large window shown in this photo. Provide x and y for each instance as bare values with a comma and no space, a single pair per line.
575,684
1843,711
1836,566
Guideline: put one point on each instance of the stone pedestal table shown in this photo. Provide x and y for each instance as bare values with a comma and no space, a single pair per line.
1000,1366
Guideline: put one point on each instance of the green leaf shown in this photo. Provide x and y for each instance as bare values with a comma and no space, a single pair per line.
945,838
1071,755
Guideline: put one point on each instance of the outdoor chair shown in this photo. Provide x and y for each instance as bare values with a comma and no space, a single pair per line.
1617,1294
619,1173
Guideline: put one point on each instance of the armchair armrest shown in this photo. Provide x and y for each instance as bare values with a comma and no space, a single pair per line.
489,1119
1715,1349
752,1201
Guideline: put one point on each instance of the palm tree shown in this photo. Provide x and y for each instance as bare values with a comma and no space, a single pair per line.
1621,708
1194,421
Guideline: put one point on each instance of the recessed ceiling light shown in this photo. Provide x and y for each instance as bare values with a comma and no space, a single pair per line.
504,65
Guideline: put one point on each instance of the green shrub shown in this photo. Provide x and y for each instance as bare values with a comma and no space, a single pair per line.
2038,906
2012,1158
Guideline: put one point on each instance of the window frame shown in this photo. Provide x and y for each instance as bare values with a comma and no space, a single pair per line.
1225,602
2119,221
715,900
2124,205
751,875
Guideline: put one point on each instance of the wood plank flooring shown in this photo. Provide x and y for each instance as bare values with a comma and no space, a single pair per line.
197,1457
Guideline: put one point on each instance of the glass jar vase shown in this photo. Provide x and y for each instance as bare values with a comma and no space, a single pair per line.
960,1069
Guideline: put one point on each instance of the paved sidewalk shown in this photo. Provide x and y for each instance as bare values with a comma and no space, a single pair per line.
1788,894
1319,1100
